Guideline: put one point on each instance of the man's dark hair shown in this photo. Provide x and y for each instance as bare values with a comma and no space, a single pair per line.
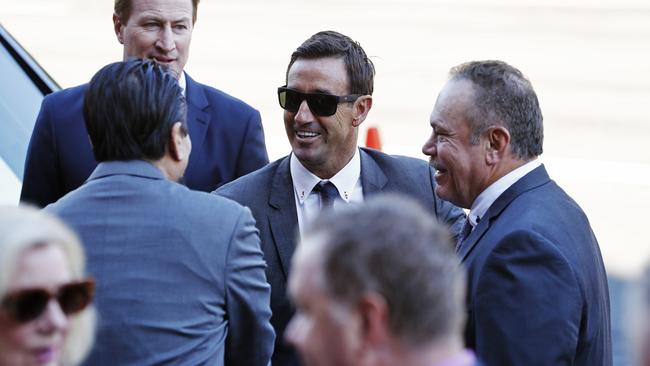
360,70
130,108
391,246
503,96
122,9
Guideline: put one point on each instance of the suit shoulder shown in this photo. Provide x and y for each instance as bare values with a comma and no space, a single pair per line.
67,96
396,161
222,99
203,203
251,185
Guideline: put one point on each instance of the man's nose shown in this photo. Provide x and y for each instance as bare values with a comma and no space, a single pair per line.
304,114
166,39
429,148
292,333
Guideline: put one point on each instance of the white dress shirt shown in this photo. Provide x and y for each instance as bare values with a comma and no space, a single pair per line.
183,84
347,181
484,200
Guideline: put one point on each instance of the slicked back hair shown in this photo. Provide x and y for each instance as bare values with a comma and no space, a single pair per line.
360,70
392,247
123,8
503,96
130,108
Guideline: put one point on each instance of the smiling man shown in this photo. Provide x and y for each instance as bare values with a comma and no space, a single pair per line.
328,94
227,133
538,290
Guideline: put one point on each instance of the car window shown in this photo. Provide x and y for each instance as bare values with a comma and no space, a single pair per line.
20,101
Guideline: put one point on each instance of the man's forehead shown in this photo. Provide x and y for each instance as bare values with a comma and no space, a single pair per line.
455,97
166,9
325,74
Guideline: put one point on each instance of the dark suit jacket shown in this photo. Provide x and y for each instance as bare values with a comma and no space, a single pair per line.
538,292
268,192
227,142
180,274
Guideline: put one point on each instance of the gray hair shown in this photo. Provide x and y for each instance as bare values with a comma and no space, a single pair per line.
503,96
392,247
23,228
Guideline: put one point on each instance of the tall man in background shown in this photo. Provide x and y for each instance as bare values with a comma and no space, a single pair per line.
180,274
328,94
227,135
538,290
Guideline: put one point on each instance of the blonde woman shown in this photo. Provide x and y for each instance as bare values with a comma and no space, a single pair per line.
45,312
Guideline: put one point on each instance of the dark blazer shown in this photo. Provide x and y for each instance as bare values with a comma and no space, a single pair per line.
180,274
268,192
538,291
227,142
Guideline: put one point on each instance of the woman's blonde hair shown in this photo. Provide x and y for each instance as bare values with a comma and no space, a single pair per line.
22,228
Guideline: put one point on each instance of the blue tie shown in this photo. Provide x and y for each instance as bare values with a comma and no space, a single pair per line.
464,232
328,194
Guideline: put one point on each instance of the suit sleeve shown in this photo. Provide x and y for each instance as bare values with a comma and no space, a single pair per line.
250,336
528,305
253,154
42,179
453,216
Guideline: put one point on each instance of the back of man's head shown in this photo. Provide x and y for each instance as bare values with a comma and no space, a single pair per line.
360,69
504,96
391,247
130,108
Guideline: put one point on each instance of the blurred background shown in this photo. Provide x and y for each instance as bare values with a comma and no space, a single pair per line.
588,61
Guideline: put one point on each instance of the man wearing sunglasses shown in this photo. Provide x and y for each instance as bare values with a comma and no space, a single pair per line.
328,94
180,274
226,133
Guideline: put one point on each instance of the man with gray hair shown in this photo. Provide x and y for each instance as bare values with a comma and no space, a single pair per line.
538,290
378,284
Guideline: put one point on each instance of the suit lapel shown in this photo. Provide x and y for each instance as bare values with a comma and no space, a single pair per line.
283,219
532,180
198,117
372,176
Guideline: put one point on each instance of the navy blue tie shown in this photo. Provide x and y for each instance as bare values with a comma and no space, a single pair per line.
328,194
464,233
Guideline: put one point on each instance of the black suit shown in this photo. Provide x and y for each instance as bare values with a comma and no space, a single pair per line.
268,192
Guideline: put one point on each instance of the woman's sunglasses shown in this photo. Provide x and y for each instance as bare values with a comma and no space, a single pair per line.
26,305
320,104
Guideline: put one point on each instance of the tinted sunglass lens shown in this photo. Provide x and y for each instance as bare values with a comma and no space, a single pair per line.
29,305
282,98
293,101
74,298
322,104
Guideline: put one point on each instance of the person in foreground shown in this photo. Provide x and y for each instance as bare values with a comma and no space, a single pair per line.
227,133
353,305
538,290
328,94
45,312
180,273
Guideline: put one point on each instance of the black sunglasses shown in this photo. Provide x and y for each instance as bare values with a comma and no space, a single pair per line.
320,104
26,305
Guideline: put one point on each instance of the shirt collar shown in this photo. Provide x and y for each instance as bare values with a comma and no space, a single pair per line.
183,83
484,200
345,180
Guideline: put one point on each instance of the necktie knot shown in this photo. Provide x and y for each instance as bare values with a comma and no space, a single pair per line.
328,193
